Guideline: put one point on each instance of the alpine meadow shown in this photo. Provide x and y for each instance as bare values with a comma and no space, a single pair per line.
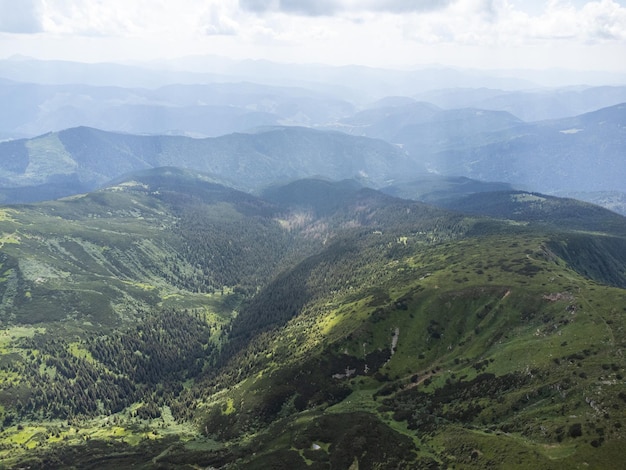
313,235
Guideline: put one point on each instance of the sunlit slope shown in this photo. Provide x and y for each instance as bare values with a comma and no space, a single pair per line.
595,245
483,351
111,301
97,257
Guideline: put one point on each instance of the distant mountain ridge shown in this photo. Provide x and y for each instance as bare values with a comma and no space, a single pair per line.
186,96
584,152
397,142
85,158
200,110
530,105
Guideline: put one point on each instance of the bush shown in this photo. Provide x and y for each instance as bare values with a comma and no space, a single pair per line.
576,430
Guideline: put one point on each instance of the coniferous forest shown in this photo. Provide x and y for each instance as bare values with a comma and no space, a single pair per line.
172,321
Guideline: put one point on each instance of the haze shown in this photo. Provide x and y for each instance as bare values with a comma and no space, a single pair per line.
492,34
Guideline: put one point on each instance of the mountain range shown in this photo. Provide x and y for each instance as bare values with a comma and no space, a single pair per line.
387,146
481,125
198,110
83,158
170,321
529,105
582,152
211,263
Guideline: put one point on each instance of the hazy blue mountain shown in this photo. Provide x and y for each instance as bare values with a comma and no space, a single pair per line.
584,152
85,158
200,110
386,122
422,129
425,83
530,105
373,83
58,72
415,118
391,102
438,189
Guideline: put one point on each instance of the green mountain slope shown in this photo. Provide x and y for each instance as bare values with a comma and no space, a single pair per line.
597,248
442,190
539,209
373,333
486,351
144,235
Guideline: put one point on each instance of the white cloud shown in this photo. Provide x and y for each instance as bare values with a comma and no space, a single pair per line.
334,7
475,22
498,22
217,21
21,17
139,17
605,20
373,32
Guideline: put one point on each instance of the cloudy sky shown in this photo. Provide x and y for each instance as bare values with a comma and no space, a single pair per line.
577,34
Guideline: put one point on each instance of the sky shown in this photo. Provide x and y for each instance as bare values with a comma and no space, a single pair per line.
483,34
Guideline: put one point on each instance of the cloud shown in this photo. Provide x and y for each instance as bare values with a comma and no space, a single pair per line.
500,23
140,18
22,16
333,7
402,6
376,32
304,7
605,20
216,21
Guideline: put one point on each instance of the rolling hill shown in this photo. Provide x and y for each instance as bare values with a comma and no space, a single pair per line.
196,325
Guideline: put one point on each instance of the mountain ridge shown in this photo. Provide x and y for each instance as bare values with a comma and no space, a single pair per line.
246,160
546,156
194,324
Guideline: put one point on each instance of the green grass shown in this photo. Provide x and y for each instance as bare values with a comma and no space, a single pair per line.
494,299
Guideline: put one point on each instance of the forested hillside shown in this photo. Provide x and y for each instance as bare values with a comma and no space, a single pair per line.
169,321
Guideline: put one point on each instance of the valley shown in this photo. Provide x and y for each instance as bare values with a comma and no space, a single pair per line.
168,321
